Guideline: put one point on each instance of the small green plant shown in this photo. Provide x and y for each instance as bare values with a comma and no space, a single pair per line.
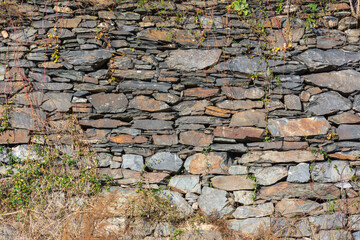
255,185
240,6
4,117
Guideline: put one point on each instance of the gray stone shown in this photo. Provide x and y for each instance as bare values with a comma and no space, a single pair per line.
2,72
354,222
62,33
26,36
8,232
244,197
27,118
299,173
193,59
138,85
164,161
319,60
214,202
23,152
356,104
348,132
260,210
347,23
243,93
4,155
297,207
152,124
346,81
133,162
287,227
177,199
52,86
229,147
243,64
293,102
238,170
250,225
103,159
356,235
95,58
185,184
328,103
108,103
60,102
334,171
325,222
269,175
93,88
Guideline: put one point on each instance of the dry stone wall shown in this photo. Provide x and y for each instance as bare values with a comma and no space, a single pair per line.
247,117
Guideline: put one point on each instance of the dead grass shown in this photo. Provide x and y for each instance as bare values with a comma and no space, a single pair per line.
9,9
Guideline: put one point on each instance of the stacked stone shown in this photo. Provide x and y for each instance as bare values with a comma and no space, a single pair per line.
151,92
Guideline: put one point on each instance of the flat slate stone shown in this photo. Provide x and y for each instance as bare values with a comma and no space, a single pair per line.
233,183
269,175
214,162
94,58
346,81
260,210
214,202
239,148
243,93
249,118
60,102
348,132
334,221
27,118
280,157
152,124
148,104
243,64
185,184
328,103
250,225
334,171
134,74
164,161
108,102
193,59
178,200
284,127
297,207
132,162
299,173
138,85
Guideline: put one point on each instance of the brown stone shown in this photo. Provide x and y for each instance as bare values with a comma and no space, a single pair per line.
280,157
345,118
194,107
96,135
213,162
243,93
195,138
14,136
352,155
239,133
163,116
167,97
338,6
295,145
50,65
218,112
296,207
148,104
294,190
200,92
81,110
103,123
68,23
248,118
179,36
90,80
167,140
128,139
298,127
233,183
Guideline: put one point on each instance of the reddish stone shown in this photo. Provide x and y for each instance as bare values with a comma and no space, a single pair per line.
147,104
233,183
14,136
296,207
90,80
165,139
239,133
298,127
295,145
249,118
218,112
103,123
207,163
352,155
201,92
108,102
128,139
195,138
168,79
345,118
179,36
338,6
10,87
134,177
81,110
68,23
50,65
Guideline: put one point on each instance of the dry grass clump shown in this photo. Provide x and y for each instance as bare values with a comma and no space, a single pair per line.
9,9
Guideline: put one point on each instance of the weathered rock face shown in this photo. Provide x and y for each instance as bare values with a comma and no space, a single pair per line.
229,116
298,127
189,60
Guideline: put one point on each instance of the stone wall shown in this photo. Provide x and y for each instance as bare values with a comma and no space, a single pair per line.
247,117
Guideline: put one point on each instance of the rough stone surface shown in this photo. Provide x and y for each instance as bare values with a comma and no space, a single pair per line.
147,104
177,199
88,58
325,222
108,102
185,184
292,207
279,157
348,132
261,210
132,162
244,197
233,183
214,202
190,60
251,225
195,138
243,93
239,133
328,103
299,173
213,162
333,171
27,118
164,161
269,175
243,64
250,118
